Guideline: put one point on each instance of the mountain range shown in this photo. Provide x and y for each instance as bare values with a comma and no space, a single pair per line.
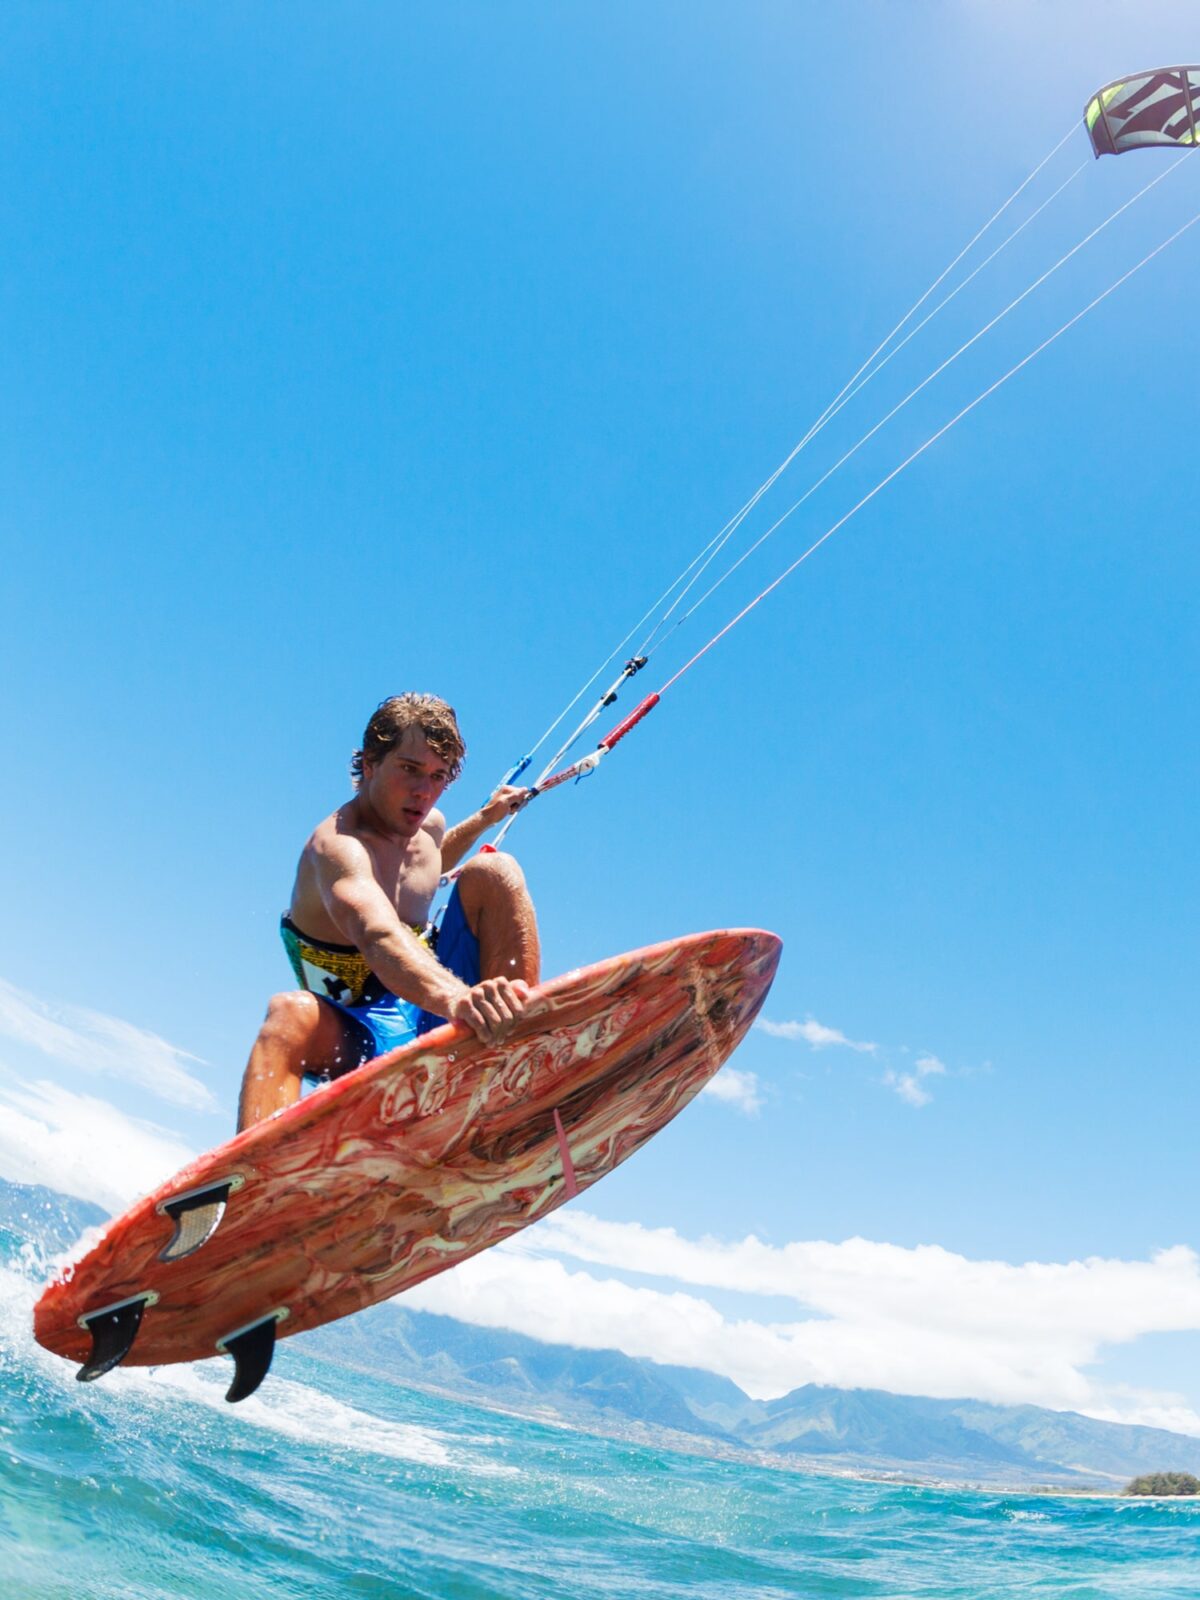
815,1426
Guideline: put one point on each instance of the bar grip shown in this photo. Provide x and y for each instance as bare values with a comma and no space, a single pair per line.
630,722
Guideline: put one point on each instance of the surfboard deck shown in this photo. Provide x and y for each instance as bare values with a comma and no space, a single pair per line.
409,1165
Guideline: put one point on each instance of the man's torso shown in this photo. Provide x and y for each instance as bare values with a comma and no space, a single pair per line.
408,873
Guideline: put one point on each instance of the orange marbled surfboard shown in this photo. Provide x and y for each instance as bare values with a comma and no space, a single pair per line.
418,1160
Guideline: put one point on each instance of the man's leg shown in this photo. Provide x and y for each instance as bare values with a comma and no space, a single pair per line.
299,1035
500,914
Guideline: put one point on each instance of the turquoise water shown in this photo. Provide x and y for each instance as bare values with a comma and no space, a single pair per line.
331,1483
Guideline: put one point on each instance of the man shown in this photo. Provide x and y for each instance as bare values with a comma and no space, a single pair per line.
354,930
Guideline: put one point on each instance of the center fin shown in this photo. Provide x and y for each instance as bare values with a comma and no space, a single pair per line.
251,1348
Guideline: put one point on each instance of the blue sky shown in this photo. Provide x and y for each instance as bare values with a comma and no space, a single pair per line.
360,348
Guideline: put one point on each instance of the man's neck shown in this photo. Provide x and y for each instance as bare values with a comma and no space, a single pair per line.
366,819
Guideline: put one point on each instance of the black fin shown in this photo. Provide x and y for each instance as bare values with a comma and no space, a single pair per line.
251,1350
113,1331
196,1216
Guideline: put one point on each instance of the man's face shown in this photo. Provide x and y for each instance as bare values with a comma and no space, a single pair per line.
404,787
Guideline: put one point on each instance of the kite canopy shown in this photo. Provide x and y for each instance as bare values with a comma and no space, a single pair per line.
1149,108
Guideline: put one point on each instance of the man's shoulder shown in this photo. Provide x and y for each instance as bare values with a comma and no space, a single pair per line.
435,826
338,838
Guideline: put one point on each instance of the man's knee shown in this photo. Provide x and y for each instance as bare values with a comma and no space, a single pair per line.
499,912
491,877
292,1017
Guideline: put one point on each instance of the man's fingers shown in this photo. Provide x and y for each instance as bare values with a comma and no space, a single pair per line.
508,992
493,1006
507,800
495,1011
484,1026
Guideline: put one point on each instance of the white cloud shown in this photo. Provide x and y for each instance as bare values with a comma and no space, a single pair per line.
912,1321
736,1088
96,1043
813,1033
1152,1408
910,1085
82,1146
504,1288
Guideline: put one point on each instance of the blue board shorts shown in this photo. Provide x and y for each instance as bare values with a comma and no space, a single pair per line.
377,1021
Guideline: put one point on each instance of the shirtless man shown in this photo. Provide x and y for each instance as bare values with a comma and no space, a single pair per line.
354,929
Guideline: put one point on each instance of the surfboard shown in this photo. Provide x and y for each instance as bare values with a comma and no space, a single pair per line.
409,1165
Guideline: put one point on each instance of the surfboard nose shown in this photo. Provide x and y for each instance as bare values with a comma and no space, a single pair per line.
730,979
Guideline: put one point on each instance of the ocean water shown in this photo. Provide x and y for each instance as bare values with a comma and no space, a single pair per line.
330,1483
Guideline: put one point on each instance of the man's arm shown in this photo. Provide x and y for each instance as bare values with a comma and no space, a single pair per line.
367,919
504,801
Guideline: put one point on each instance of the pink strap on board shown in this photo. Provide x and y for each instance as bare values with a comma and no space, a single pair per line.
569,1184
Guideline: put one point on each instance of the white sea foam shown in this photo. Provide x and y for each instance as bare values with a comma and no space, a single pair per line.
297,1412
292,1410
17,1296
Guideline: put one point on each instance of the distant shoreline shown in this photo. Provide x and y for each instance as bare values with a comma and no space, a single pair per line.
677,1443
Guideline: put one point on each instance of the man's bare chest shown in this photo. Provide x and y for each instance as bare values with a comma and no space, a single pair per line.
407,874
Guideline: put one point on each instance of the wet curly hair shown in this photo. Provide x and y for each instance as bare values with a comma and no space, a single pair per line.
394,717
